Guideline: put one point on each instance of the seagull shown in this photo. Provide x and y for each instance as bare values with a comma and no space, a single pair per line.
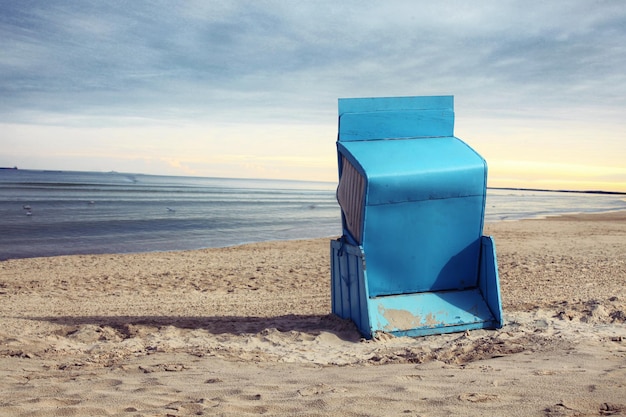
26,207
171,210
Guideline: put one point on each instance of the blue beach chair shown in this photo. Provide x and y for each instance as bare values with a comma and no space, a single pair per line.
412,259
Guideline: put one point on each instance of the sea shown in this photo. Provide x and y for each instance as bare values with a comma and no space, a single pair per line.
50,213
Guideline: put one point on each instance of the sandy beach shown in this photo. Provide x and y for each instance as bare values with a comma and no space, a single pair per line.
247,330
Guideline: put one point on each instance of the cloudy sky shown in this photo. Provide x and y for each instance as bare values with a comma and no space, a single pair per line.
250,88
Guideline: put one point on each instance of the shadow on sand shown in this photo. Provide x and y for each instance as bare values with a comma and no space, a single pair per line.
126,325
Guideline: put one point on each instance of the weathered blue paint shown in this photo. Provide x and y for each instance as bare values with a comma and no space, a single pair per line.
418,263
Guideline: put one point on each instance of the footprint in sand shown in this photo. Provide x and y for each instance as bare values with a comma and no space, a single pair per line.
412,377
608,409
56,402
475,397
168,367
560,410
317,390
193,407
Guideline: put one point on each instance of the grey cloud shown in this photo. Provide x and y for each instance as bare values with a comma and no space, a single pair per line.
191,59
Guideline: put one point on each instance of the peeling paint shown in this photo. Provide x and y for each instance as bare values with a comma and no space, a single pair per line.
404,320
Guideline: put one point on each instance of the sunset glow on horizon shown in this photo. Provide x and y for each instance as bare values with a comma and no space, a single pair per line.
250,90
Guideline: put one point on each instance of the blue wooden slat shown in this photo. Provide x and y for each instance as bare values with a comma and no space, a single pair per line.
371,104
396,125
489,279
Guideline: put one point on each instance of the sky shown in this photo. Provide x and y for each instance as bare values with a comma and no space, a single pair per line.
249,89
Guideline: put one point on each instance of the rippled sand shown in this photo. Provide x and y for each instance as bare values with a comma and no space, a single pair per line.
247,330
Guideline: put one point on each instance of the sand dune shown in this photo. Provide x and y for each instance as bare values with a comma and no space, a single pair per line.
246,330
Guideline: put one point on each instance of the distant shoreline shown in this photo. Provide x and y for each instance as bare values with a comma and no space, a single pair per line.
559,191
329,182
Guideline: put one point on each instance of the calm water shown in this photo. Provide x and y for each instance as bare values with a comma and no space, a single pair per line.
46,213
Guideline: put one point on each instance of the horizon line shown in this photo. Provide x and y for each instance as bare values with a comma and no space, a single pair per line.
318,181
558,190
